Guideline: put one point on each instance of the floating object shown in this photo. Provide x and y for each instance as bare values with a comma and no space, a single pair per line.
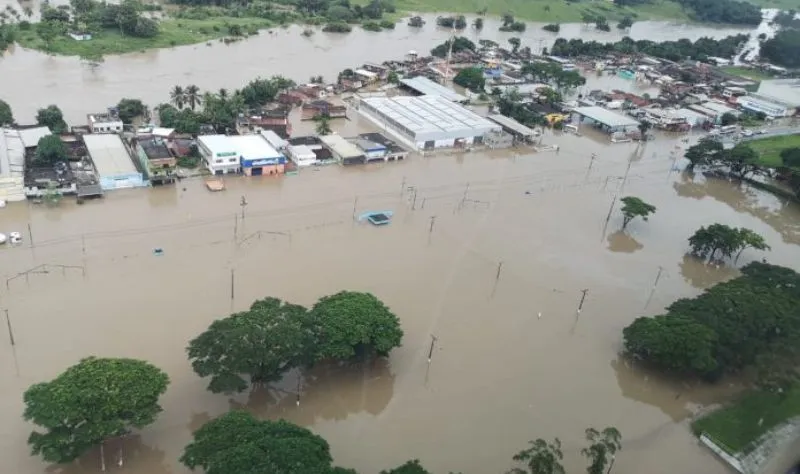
215,184
376,217
15,237
158,252
540,315
3,239
2,203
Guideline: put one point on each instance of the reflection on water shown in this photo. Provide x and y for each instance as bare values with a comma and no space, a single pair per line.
704,274
327,392
126,454
779,214
619,241
678,399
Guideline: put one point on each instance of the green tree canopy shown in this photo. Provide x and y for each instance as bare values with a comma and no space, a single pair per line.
633,207
323,124
409,467
52,118
350,323
705,152
92,401
742,160
707,241
129,109
460,43
783,48
471,78
789,156
50,150
237,443
540,457
741,323
603,445
6,116
262,343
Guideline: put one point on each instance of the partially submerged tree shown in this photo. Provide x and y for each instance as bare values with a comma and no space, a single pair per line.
261,343
351,323
633,207
515,44
750,239
705,152
237,443
540,458
323,124
90,402
672,343
742,160
52,118
49,151
130,109
603,446
6,117
707,241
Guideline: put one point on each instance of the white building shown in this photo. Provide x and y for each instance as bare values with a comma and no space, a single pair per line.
12,166
301,155
274,140
113,162
776,98
427,122
107,122
219,154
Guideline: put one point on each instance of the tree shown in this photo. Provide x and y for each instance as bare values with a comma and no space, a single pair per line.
323,124
90,402
783,49
145,28
633,207
643,127
393,78
789,156
552,27
705,152
177,96
50,30
728,118
52,118
706,241
540,458
193,96
471,78
237,443
351,323
625,23
750,239
602,448
673,343
515,44
459,44
129,109
6,116
263,343
50,150
478,23
742,160
409,467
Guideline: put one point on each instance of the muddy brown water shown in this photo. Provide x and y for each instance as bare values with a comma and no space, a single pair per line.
31,79
499,376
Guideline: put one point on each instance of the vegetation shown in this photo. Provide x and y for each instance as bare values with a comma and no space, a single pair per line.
471,78
603,446
90,402
273,337
458,22
416,22
748,322
478,23
554,74
460,43
52,118
704,153
737,426
236,443
409,467
541,457
633,207
509,24
734,12
6,116
625,23
337,27
783,48
727,240
323,124
672,50
130,109
49,151
747,72
552,27
769,149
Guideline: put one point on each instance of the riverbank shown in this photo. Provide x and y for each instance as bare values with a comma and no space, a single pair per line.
172,32
769,149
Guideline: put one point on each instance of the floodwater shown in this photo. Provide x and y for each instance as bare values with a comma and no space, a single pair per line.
33,79
500,375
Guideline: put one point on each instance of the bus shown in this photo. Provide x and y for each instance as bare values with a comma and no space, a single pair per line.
728,129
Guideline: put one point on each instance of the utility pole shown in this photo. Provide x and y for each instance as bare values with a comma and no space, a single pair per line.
608,217
625,178
430,230
497,277
232,283
83,244
243,203
298,390
355,205
591,162
583,298
235,227
402,186
464,198
430,351
10,331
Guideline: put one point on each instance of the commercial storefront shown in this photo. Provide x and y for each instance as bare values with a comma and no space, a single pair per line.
257,157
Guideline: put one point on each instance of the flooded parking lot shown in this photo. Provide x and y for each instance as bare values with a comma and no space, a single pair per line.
500,374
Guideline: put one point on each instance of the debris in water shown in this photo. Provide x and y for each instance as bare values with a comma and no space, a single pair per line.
158,252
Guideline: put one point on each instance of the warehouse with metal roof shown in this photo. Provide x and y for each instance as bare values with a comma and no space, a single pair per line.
113,162
512,126
344,151
424,86
427,122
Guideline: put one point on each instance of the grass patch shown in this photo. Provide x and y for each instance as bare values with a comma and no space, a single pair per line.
769,149
742,423
173,32
784,4
534,10
748,73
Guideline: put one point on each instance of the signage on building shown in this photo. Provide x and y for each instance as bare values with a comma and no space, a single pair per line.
278,160
227,153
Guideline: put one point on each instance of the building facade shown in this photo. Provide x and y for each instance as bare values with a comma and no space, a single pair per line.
156,159
219,154
766,105
107,122
257,157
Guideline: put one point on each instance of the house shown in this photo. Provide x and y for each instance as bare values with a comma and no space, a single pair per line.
301,155
300,146
156,159
275,119
274,140
373,141
106,122
257,157
332,108
219,154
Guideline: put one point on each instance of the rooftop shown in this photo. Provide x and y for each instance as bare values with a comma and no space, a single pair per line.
217,143
511,124
606,117
273,139
253,147
103,117
154,148
783,90
382,140
425,86
31,135
109,155
341,146
12,154
429,114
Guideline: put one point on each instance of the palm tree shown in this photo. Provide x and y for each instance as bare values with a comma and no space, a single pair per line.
223,94
602,448
178,96
193,96
323,124
540,458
